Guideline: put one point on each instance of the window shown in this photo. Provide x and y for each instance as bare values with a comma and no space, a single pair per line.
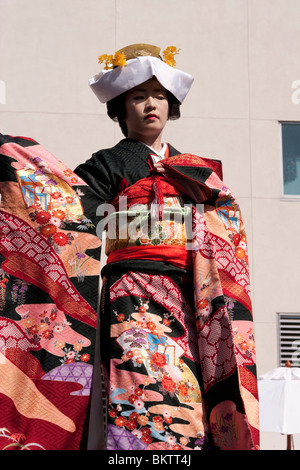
289,338
290,134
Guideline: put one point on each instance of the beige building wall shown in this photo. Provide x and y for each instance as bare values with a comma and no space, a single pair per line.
244,55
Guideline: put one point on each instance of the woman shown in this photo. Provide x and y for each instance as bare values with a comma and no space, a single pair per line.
176,324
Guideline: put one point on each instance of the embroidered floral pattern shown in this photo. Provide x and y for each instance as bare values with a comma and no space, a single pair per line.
52,203
227,426
148,347
14,441
49,328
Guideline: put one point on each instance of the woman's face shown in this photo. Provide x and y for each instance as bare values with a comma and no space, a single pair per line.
147,110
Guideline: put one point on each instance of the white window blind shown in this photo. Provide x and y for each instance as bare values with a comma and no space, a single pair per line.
289,338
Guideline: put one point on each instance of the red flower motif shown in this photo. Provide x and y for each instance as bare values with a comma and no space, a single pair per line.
18,437
60,239
85,357
131,424
139,392
134,415
33,330
53,315
157,419
202,304
132,398
139,360
56,195
159,360
236,239
113,413
151,325
70,361
48,230
42,217
168,383
120,421
59,214
145,431
3,282
47,334
143,420
183,390
147,439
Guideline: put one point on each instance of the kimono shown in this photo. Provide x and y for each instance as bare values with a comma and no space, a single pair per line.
49,282
175,326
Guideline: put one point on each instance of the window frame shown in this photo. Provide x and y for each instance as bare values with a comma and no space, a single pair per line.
285,197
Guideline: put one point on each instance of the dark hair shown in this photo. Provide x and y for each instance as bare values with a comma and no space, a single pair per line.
117,112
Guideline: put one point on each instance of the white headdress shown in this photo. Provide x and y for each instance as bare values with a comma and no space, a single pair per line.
136,64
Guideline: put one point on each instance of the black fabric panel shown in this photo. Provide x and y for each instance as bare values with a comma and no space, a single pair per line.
22,141
107,168
7,171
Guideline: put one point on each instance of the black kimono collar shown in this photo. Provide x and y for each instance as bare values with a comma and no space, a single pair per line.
140,149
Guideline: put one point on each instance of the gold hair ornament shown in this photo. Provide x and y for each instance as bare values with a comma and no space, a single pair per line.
136,50
110,61
168,55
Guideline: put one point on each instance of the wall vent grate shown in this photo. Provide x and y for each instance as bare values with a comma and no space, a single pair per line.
289,338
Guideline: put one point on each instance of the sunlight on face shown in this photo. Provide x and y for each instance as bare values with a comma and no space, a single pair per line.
147,110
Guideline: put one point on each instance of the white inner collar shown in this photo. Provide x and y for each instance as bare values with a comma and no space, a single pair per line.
158,155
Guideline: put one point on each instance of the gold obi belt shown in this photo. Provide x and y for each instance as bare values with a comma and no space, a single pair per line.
147,224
